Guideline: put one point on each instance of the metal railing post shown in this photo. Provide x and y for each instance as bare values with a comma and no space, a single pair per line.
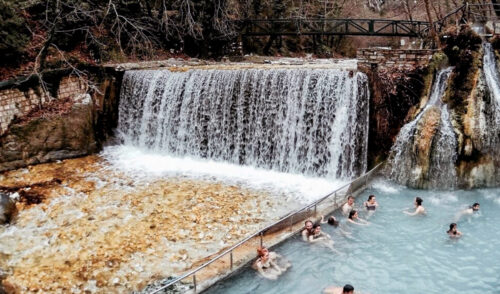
194,282
261,239
231,259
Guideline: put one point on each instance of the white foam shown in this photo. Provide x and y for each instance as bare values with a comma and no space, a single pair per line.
145,165
386,187
443,199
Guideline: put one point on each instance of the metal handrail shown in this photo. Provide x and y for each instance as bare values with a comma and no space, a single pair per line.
260,232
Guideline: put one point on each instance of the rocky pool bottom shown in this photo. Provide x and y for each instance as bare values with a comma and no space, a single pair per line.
396,253
83,226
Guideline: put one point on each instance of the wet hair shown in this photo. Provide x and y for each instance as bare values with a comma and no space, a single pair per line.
316,226
474,205
419,201
352,213
307,221
370,197
347,288
350,197
452,225
260,251
332,221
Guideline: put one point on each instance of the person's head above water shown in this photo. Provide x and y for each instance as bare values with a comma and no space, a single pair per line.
418,201
308,225
348,289
350,200
316,228
371,197
475,206
453,228
353,214
262,252
332,221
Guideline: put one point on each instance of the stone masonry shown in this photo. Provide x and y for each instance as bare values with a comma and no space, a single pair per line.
17,102
389,58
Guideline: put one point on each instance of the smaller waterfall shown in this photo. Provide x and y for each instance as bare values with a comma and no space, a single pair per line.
491,126
424,154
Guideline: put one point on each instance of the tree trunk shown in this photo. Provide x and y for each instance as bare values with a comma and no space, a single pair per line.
432,29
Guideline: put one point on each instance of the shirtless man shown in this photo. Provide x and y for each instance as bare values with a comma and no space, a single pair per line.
347,289
469,211
348,206
419,209
308,226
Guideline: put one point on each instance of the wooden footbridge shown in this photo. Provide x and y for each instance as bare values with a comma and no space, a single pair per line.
366,27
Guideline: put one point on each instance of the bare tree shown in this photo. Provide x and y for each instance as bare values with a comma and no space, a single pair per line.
431,24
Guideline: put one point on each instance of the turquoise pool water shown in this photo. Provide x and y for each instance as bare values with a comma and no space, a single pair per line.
396,253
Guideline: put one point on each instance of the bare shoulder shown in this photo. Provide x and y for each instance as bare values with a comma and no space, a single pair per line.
333,290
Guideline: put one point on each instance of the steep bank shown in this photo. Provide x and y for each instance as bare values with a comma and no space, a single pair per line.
462,151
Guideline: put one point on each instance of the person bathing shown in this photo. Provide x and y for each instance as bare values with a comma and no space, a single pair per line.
371,204
453,232
348,206
419,209
306,231
270,264
354,219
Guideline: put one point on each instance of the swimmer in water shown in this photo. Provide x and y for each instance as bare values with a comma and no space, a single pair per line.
474,208
347,289
419,209
348,206
317,236
336,224
354,219
308,225
270,264
331,221
453,232
371,204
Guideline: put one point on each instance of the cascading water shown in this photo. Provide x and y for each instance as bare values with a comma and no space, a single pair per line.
491,124
306,121
405,166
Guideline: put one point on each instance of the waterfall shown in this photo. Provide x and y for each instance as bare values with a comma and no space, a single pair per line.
307,121
406,165
490,127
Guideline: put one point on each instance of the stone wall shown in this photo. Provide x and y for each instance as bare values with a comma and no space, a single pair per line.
18,101
65,119
388,58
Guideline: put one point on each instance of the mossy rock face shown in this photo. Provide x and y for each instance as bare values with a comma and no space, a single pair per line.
47,139
438,61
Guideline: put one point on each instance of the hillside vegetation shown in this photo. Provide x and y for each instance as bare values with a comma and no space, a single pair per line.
40,34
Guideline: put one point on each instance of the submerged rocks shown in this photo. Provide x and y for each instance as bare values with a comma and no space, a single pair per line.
103,231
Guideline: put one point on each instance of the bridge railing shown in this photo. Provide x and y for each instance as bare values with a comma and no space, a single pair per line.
329,26
288,223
